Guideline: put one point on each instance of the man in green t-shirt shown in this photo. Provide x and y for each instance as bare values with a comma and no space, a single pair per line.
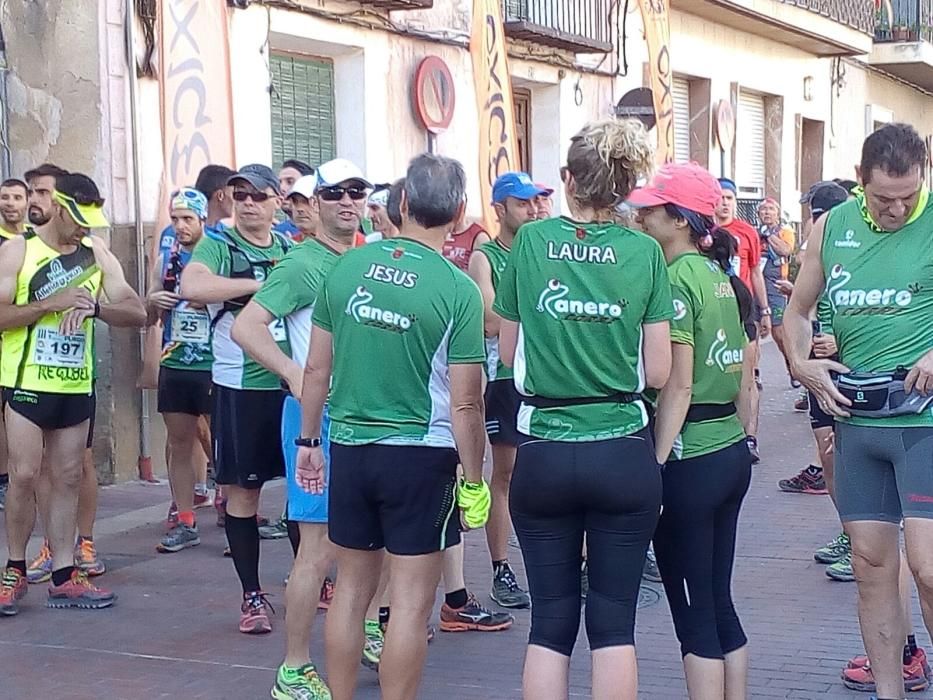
515,198
397,426
871,256
291,292
247,398
185,368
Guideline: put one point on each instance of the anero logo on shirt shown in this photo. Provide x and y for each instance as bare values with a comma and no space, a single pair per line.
865,301
680,310
554,302
363,312
848,241
722,356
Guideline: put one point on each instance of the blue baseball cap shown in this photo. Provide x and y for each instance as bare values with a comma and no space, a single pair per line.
727,184
517,185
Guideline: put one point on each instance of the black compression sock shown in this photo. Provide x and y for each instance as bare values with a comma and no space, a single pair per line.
294,535
384,616
18,564
243,537
457,599
496,564
60,576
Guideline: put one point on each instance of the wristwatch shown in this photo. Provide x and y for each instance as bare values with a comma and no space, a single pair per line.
308,442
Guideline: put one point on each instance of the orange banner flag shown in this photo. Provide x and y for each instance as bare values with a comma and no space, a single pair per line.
655,16
498,151
197,110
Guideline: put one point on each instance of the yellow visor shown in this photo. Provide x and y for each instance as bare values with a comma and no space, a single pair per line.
85,215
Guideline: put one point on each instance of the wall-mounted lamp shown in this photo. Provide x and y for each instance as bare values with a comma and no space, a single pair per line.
808,88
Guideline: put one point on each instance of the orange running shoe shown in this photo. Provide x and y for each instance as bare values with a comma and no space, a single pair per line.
254,618
79,592
915,675
86,558
473,617
13,587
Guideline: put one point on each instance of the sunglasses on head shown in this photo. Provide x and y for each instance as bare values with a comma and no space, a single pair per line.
85,200
335,194
258,197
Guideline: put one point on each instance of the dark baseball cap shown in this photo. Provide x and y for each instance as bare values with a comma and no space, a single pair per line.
258,175
824,196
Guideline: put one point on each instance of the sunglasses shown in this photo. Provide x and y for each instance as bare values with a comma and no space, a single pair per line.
258,197
335,194
86,200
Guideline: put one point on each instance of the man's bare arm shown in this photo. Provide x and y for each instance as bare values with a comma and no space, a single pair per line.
467,416
200,285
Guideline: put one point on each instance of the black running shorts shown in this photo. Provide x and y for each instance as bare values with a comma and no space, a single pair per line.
184,391
246,427
502,404
396,497
50,411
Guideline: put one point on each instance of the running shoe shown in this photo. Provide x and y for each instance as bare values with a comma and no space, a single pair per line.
650,572
327,594
86,558
859,661
274,531
40,568
3,490
299,684
833,551
178,538
809,480
505,589
473,617
171,520
842,569
863,680
13,587
202,497
802,404
255,616
79,592
752,443
373,642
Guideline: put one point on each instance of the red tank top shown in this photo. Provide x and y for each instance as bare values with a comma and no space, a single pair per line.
460,246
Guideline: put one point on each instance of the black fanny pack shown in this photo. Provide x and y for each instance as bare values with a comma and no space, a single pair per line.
700,412
545,402
880,394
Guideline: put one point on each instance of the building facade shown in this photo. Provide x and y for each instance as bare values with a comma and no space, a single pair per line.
790,87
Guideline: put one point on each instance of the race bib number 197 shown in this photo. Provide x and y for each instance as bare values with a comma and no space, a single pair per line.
53,349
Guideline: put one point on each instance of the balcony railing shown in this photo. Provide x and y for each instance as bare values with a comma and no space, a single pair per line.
858,14
912,21
581,26
402,4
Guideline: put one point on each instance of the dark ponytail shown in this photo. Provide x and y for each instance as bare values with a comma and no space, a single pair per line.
719,246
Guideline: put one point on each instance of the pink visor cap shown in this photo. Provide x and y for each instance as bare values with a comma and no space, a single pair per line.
687,185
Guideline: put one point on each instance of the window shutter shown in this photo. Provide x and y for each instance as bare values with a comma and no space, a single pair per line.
303,111
750,142
681,94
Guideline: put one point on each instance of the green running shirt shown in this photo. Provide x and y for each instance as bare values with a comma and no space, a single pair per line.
879,287
232,367
400,315
497,255
292,288
706,317
580,293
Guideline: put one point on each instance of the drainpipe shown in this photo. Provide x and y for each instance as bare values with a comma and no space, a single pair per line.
6,165
144,464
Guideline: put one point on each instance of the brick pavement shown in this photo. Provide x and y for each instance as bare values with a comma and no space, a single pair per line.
173,631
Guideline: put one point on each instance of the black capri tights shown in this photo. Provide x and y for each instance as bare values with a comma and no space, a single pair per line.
609,491
695,548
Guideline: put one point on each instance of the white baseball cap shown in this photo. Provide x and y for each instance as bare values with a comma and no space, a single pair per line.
333,172
304,186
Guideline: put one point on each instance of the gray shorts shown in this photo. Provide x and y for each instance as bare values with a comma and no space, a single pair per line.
883,474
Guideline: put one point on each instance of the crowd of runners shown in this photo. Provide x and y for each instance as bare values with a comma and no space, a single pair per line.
376,348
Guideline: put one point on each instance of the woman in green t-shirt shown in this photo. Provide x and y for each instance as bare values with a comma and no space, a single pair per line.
586,305
698,431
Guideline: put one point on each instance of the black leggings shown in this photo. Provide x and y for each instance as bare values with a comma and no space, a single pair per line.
609,491
695,548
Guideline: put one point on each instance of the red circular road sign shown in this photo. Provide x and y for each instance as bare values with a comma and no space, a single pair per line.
434,94
725,124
